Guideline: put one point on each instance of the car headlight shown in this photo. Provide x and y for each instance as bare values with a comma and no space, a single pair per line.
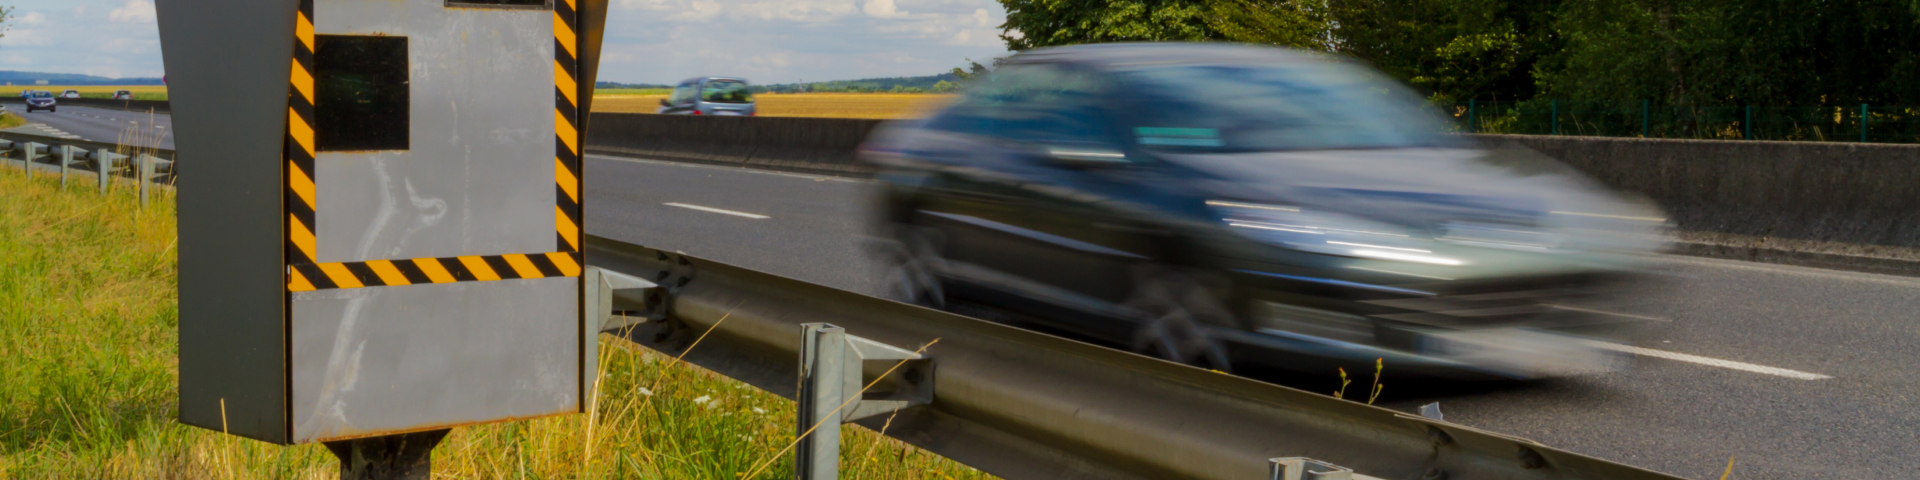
1328,233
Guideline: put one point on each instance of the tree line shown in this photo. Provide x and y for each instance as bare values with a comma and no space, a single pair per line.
1671,52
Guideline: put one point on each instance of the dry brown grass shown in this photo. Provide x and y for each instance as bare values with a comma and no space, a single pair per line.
140,92
822,105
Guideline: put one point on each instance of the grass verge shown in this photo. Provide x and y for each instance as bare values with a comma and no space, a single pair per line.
8,120
87,330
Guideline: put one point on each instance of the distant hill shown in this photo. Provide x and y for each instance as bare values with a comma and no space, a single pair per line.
63,79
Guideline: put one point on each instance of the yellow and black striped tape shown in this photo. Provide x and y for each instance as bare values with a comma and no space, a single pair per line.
302,245
566,114
422,271
306,273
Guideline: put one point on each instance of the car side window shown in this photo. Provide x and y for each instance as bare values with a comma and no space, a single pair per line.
681,94
1038,104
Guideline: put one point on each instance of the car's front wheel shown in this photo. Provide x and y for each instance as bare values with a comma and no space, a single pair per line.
1176,309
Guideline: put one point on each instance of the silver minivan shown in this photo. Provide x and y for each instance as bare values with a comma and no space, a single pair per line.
710,96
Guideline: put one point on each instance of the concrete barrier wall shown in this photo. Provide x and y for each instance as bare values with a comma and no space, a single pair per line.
812,145
1866,194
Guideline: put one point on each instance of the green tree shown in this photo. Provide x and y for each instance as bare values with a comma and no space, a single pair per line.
1047,23
1738,52
1451,49
1289,23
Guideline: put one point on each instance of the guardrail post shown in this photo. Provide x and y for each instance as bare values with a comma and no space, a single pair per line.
66,158
26,158
817,457
831,393
146,176
103,164
605,290
1301,468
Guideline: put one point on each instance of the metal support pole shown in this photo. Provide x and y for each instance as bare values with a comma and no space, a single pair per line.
1863,123
817,457
1301,468
1473,122
26,158
66,158
407,456
146,177
1646,118
103,164
830,393
1556,116
1748,124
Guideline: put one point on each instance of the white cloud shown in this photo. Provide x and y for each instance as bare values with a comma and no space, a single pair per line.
135,11
980,16
883,9
31,18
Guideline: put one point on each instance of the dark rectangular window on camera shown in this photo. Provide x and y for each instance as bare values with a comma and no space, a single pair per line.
361,93
499,3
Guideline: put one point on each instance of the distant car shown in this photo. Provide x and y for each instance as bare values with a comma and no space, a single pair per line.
70,94
710,96
122,95
41,101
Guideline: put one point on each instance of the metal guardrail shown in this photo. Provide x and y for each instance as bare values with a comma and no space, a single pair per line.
147,166
1020,404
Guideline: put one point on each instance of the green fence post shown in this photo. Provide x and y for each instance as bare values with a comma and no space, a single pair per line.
1473,122
1749,123
1646,118
1863,123
1556,117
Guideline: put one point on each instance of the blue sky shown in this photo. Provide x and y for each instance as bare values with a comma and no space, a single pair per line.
648,41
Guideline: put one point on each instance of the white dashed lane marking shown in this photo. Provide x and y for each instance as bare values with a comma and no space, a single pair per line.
754,216
1711,362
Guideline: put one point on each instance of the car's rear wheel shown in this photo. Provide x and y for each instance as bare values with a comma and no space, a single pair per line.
909,271
1177,309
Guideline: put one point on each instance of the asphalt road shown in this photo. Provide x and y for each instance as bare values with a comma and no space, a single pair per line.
1795,373
100,125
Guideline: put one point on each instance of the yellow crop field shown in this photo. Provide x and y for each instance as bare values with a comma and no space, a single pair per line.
825,105
140,92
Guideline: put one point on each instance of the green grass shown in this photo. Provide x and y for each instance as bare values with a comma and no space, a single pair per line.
87,333
9,120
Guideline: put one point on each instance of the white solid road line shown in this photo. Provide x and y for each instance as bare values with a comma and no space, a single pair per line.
1711,362
719,211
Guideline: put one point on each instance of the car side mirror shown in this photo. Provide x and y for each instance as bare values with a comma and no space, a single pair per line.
663,103
1083,158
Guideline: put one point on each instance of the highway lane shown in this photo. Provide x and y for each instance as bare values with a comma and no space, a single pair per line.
1735,321
100,125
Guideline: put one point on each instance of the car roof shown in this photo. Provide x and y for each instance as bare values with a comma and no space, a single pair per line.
705,79
1126,56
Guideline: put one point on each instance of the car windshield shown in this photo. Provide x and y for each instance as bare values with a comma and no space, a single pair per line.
1245,108
42,95
726,91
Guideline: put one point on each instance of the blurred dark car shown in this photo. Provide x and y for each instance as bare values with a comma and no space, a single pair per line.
1224,205
41,100
710,96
